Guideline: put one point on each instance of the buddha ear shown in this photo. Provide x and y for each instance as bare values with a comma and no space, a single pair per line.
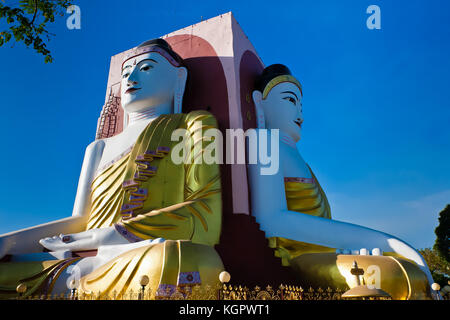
260,119
179,90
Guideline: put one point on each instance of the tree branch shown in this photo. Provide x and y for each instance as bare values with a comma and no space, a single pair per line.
35,11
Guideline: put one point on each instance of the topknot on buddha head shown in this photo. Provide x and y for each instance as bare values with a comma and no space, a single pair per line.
273,75
158,45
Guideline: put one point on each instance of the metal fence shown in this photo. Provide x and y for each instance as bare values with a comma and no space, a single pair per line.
222,292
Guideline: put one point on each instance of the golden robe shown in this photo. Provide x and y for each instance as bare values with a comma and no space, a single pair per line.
303,195
145,195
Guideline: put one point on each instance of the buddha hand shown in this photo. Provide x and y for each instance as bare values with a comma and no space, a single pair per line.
88,240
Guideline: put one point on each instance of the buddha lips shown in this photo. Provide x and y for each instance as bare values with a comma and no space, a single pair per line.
144,171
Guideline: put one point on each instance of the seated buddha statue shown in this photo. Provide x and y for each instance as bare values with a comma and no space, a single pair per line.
293,210
144,214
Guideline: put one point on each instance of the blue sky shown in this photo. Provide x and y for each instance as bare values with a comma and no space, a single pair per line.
376,102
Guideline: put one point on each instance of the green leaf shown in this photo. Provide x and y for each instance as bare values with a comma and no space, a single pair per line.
28,21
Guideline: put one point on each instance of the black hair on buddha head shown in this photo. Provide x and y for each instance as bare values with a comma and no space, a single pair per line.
269,73
163,44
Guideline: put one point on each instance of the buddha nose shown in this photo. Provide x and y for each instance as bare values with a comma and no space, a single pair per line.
131,82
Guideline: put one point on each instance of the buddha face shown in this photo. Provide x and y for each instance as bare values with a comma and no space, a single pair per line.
148,80
282,109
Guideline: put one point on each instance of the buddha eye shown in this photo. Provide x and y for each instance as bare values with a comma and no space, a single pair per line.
125,75
146,68
291,100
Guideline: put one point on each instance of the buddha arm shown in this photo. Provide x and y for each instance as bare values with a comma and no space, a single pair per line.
173,222
271,212
26,240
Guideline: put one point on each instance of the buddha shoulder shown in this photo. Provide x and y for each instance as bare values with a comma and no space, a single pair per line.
95,147
203,116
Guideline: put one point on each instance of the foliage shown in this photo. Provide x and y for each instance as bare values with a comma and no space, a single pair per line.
442,244
439,267
28,21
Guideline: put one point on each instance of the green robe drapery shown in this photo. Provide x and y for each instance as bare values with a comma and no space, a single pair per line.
171,201
304,196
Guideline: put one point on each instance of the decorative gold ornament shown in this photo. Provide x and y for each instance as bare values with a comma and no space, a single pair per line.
277,80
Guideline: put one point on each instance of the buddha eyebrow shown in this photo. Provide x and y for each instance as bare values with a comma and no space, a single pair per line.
291,93
152,60
129,66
